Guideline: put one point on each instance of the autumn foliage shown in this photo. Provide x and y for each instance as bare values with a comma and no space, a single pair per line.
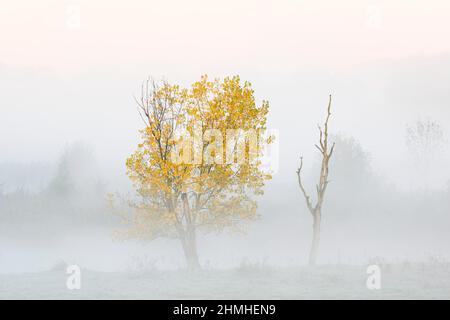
203,191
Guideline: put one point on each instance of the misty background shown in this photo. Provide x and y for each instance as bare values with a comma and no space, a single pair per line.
68,121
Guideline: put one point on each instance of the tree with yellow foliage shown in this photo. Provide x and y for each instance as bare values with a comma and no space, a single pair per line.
187,181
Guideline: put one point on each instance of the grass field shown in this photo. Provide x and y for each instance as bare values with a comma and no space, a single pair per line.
399,281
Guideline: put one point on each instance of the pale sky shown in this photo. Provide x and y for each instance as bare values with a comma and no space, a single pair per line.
207,34
386,62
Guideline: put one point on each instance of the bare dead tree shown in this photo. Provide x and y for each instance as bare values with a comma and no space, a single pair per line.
321,187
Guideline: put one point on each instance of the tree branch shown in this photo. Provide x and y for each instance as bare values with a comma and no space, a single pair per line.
302,188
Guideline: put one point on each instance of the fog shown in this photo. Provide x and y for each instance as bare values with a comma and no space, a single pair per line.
66,130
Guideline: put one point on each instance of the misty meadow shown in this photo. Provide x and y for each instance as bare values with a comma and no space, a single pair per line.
283,159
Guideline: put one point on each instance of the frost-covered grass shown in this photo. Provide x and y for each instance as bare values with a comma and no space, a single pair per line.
429,280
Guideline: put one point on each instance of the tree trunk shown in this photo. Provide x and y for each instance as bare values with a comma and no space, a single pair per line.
188,237
321,187
316,238
189,243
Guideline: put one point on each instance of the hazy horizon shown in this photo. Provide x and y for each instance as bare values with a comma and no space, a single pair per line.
69,72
